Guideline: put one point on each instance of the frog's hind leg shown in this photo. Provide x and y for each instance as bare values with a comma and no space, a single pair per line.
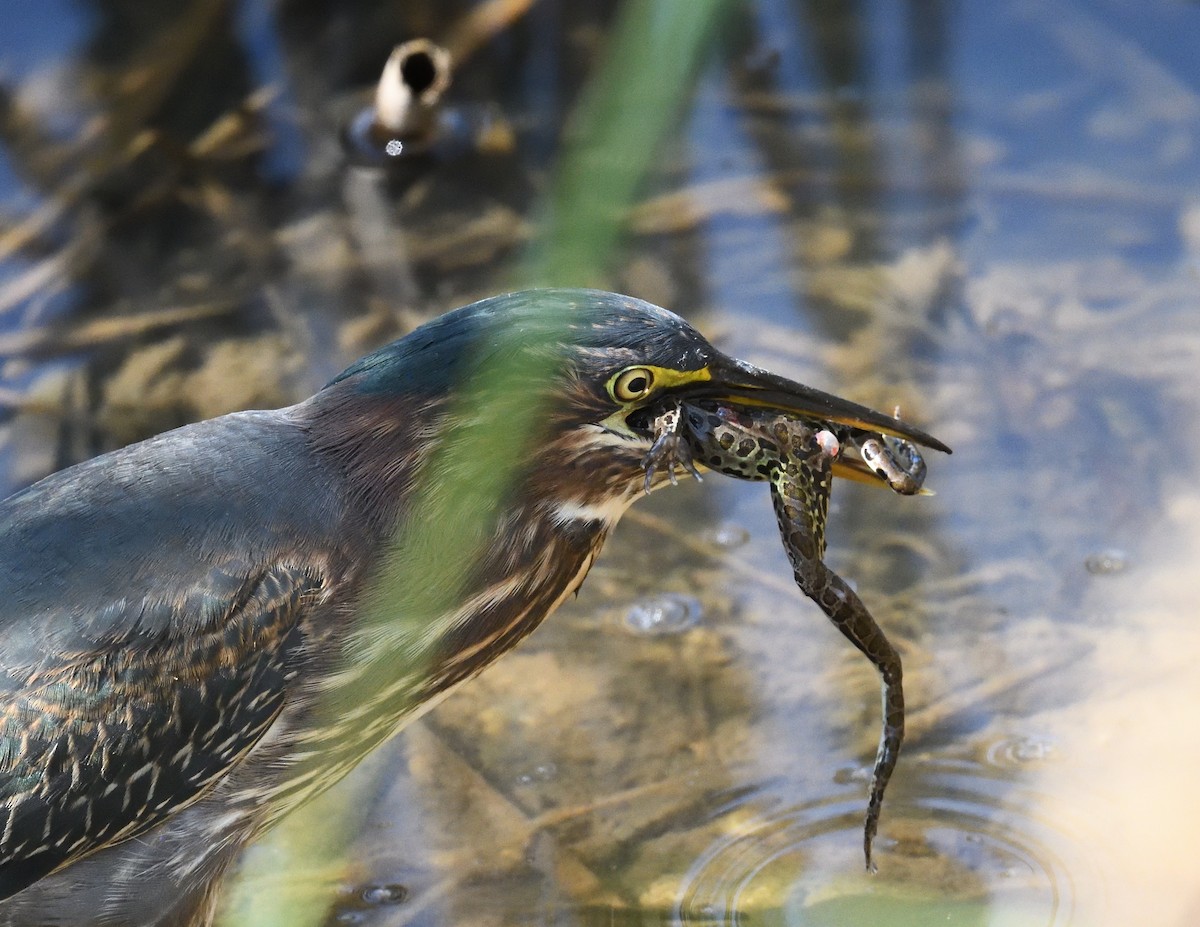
800,493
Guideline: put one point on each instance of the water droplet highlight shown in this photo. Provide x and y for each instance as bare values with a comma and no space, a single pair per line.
729,536
659,615
380,895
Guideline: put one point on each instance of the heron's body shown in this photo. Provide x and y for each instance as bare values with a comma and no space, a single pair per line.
182,659
103,528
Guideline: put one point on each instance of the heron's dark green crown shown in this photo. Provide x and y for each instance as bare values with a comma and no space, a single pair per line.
583,335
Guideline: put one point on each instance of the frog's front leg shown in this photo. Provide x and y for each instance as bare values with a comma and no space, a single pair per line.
670,447
800,492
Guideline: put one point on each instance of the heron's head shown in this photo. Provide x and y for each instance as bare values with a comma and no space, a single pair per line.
561,387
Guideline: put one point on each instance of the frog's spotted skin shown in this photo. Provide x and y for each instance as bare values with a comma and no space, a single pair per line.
783,451
796,457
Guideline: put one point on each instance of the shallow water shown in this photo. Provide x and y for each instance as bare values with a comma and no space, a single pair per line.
987,215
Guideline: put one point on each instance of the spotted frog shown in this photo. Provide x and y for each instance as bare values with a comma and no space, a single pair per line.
797,457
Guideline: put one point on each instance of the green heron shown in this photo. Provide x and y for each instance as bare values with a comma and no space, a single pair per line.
189,634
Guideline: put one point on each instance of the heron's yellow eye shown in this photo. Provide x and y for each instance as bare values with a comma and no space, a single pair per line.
631,384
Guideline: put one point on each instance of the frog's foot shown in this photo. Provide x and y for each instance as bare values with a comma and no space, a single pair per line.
895,461
670,448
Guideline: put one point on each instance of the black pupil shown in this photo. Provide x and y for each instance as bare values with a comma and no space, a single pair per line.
636,385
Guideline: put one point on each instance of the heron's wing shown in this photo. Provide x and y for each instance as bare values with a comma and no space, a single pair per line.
158,702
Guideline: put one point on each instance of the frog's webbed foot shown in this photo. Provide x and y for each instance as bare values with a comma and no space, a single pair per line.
670,447
801,495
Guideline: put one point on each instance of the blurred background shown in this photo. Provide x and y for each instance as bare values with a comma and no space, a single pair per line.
987,214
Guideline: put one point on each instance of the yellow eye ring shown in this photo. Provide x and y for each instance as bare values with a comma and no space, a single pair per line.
631,384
